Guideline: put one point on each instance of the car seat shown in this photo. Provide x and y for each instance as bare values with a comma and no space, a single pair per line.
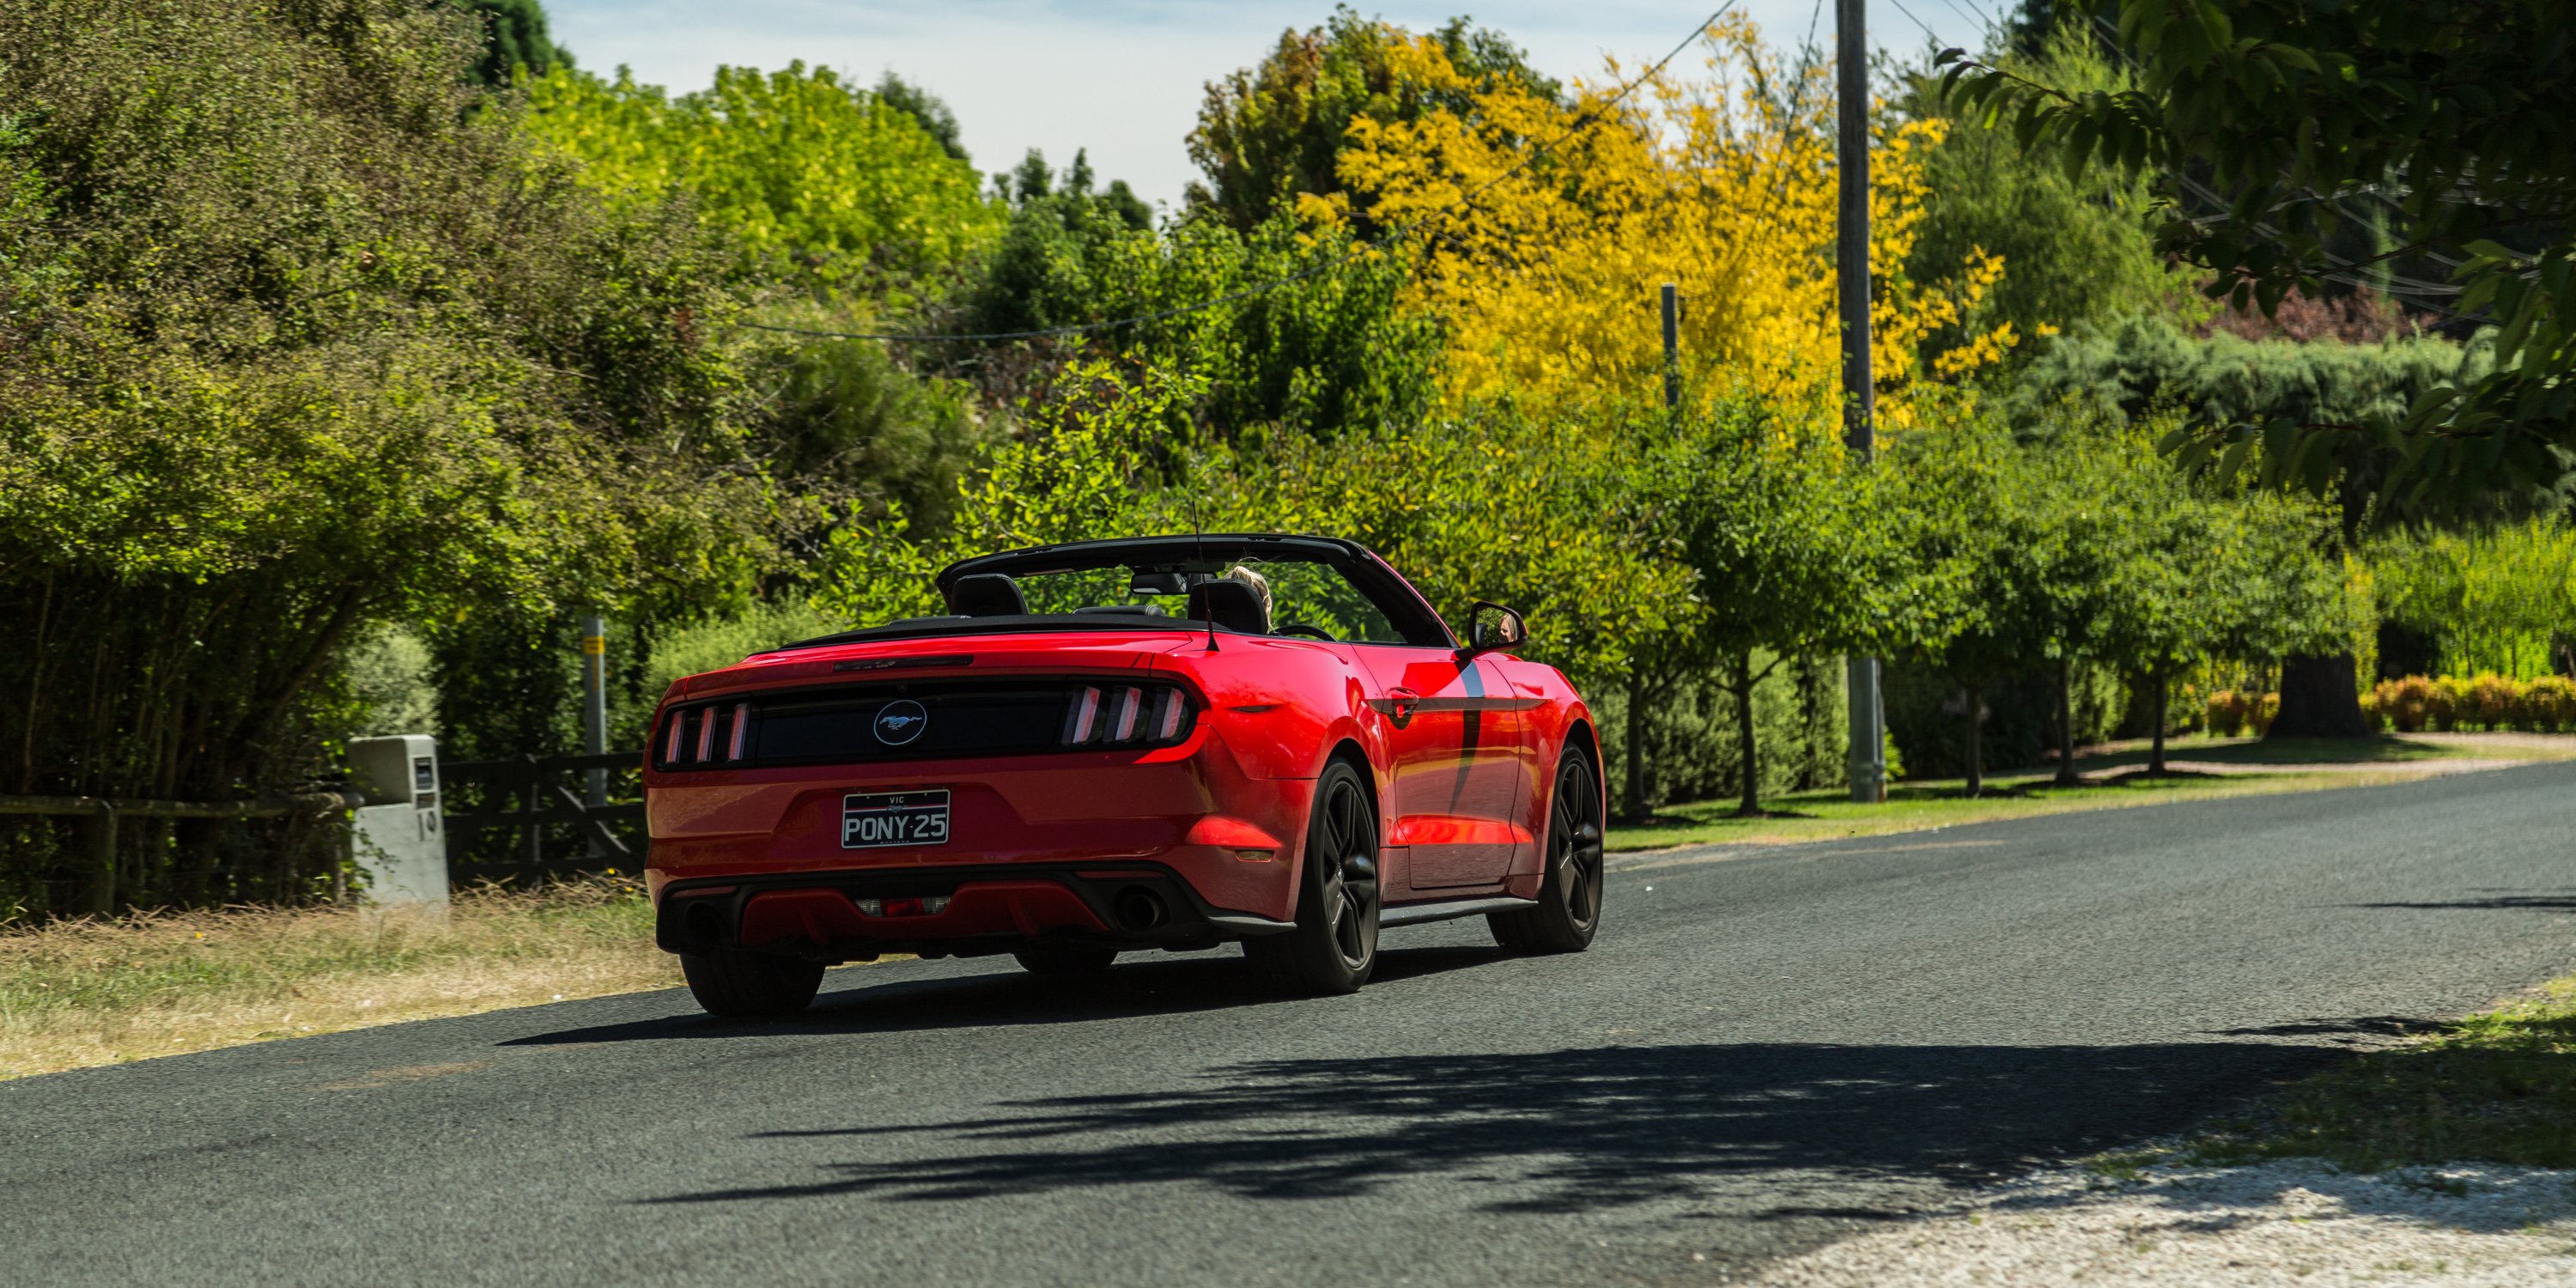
1230,604
987,594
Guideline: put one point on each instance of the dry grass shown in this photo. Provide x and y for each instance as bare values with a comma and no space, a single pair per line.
81,993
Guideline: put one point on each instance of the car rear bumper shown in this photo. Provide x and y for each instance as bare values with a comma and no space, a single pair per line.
987,908
1039,847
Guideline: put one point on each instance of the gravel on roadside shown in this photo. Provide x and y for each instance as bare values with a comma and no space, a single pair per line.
2293,1221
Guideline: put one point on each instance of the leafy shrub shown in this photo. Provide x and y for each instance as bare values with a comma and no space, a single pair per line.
2228,711
2549,704
2495,701
2263,712
2546,704
2406,703
2447,702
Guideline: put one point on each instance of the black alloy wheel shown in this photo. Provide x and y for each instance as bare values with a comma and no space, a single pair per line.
1334,946
1569,896
1065,959
744,985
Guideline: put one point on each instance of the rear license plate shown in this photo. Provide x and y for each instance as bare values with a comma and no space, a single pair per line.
894,818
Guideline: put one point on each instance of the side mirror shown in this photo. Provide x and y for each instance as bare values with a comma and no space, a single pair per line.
1493,626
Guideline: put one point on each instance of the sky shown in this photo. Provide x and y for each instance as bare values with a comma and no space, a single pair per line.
1124,78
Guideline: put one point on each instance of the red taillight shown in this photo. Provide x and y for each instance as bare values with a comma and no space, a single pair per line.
671,745
1084,717
740,737
1126,715
706,734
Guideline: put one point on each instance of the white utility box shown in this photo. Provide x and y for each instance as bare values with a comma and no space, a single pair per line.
396,837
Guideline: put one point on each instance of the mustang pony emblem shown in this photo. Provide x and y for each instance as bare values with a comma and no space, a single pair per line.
900,722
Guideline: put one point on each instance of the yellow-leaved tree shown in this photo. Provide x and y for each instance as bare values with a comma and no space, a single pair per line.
1544,263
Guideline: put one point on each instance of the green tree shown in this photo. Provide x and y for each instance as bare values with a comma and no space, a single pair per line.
810,180
850,429
1970,509
928,110
2080,486
1056,262
1269,133
1790,556
2203,576
2147,368
2137,367
1287,328
2075,244
2283,131
514,40
413,370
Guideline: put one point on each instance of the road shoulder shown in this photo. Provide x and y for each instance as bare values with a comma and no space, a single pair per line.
2442,1156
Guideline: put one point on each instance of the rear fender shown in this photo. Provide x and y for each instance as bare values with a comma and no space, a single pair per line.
1280,705
1283,708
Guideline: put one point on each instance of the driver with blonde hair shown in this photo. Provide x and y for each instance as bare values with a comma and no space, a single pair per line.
1260,588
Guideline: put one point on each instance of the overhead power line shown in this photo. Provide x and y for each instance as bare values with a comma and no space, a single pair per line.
1398,233
1928,33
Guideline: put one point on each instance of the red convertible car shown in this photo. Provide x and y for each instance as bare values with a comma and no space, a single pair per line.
1113,746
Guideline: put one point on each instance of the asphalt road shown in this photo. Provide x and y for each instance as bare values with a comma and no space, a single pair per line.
1762,1052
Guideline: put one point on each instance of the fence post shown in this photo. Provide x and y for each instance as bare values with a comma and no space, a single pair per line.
594,712
97,832
532,831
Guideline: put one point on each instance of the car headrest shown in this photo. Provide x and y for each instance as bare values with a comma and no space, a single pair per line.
1230,604
987,594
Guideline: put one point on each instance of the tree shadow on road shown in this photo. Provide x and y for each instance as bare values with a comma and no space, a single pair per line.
1574,1129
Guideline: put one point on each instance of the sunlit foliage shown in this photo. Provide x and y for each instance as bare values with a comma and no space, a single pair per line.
805,176
297,332
1472,506
1543,262
1272,132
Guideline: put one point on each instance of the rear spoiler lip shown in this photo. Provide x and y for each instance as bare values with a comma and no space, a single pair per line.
918,628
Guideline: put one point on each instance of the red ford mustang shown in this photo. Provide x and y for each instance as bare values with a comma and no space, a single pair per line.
1112,746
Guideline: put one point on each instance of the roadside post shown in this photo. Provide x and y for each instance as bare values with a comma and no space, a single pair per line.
594,713
1866,719
1672,346
397,836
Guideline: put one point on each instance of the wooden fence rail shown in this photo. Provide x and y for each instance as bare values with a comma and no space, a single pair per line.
98,816
543,798
533,792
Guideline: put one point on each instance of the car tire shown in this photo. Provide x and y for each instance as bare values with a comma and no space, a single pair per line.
741,985
1334,947
1568,911
1065,959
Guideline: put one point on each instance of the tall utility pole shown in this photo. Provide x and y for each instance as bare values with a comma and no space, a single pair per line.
1634,797
1851,273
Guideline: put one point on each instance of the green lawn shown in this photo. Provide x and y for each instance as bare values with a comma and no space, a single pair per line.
2114,778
